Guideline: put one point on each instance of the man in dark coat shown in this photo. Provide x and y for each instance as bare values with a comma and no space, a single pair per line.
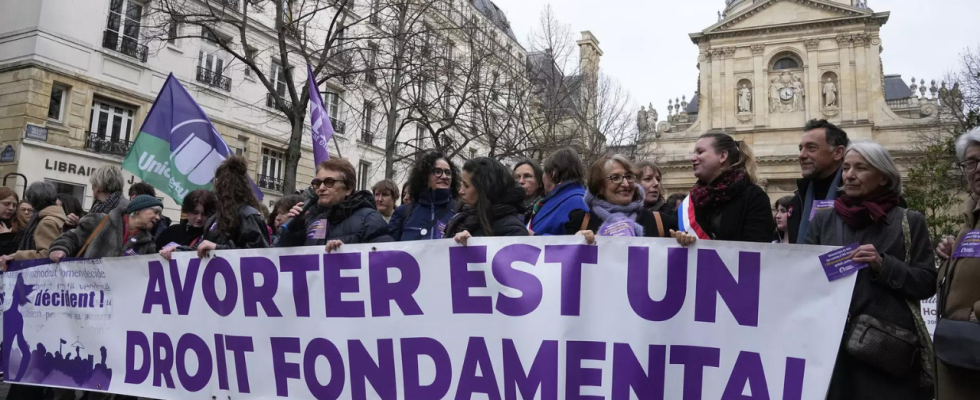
821,157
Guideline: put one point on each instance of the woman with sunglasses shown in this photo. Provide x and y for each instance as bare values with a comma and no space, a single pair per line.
616,205
433,186
342,214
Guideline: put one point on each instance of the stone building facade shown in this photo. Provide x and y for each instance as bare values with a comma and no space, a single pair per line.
769,66
77,80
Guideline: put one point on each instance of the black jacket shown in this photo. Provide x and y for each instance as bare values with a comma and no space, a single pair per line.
747,217
506,219
646,219
355,220
183,234
821,188
252,232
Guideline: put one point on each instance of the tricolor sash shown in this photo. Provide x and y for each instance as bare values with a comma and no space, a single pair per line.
687,222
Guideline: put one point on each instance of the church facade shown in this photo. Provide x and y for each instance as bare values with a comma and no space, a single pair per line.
769,66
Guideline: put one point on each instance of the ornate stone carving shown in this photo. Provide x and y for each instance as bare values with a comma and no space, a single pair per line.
758,49
844,40
704,57
744,99
830,93
641,120
729,52
718,54
861,40
812,44
786,94
875,40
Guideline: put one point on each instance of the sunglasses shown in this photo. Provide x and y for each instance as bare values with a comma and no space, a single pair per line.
328,182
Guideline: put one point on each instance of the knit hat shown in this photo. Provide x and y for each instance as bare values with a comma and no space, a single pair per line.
143,202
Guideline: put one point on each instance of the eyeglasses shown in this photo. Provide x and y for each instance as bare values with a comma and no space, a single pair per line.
969,165
437,172
617,179
328,182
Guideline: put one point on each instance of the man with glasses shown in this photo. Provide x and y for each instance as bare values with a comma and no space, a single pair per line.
342,213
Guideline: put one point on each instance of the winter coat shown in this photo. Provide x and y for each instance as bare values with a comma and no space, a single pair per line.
10,240
962,303
108,242
747,217
251,233
558,205
48,229
645,218
505,219
182,234
882,296
355,220
430,212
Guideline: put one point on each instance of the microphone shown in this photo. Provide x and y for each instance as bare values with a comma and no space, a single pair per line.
306,207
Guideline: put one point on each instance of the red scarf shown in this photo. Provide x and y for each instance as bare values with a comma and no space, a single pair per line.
720,191
860,213
127,234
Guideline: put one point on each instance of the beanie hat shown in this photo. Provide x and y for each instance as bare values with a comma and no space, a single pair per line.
142,202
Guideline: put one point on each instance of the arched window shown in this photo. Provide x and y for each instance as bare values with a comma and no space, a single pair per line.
785,63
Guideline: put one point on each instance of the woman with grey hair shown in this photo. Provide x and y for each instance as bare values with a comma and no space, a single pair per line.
894,245
958,302
121,232
107,189
44,227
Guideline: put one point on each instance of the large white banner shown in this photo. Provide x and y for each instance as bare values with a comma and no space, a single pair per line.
523,318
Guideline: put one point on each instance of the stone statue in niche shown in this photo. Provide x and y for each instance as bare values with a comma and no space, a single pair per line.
787,94
830,93
745,99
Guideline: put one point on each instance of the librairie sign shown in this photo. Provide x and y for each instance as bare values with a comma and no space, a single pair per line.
521,318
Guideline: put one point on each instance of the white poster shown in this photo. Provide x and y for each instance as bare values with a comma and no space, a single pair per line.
522,318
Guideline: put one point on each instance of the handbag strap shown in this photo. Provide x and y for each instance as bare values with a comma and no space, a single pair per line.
928,377
91,237
660,224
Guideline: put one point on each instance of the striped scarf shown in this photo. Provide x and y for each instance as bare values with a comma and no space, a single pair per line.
104,207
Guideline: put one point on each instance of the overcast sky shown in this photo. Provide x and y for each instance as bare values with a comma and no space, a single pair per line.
647,48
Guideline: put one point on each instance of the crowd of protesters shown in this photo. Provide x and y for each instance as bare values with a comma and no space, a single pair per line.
848,192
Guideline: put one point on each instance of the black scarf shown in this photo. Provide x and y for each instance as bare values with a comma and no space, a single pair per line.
108,205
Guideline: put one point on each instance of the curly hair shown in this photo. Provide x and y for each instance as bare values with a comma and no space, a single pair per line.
199,197
419,177
232,189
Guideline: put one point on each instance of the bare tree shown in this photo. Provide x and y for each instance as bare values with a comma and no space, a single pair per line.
256,32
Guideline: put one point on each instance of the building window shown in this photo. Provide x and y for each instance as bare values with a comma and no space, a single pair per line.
56,107
73,190
366,130
279,78
362,175
331,101
122,32
371,75
210,70
242,148
472,153
420,137
270,176
110,128
209,36
173,31
785,63
250,56
375,17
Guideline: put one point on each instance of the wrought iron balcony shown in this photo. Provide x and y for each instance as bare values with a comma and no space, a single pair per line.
270,183
338,126
127,46
270,101
367,137
213,79
98,143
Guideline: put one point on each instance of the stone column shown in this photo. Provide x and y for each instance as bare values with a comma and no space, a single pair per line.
731,99
847,86
861,43
716,99
705,112
760,88
813,92
875,79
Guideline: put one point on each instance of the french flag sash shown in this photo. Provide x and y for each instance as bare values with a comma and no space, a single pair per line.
687,222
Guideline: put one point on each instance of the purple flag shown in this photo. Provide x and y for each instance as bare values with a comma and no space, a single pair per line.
319,120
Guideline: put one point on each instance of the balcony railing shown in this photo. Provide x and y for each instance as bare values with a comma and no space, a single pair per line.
213,79
367,137
270,183
128,45
270,101
98,143
338,126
